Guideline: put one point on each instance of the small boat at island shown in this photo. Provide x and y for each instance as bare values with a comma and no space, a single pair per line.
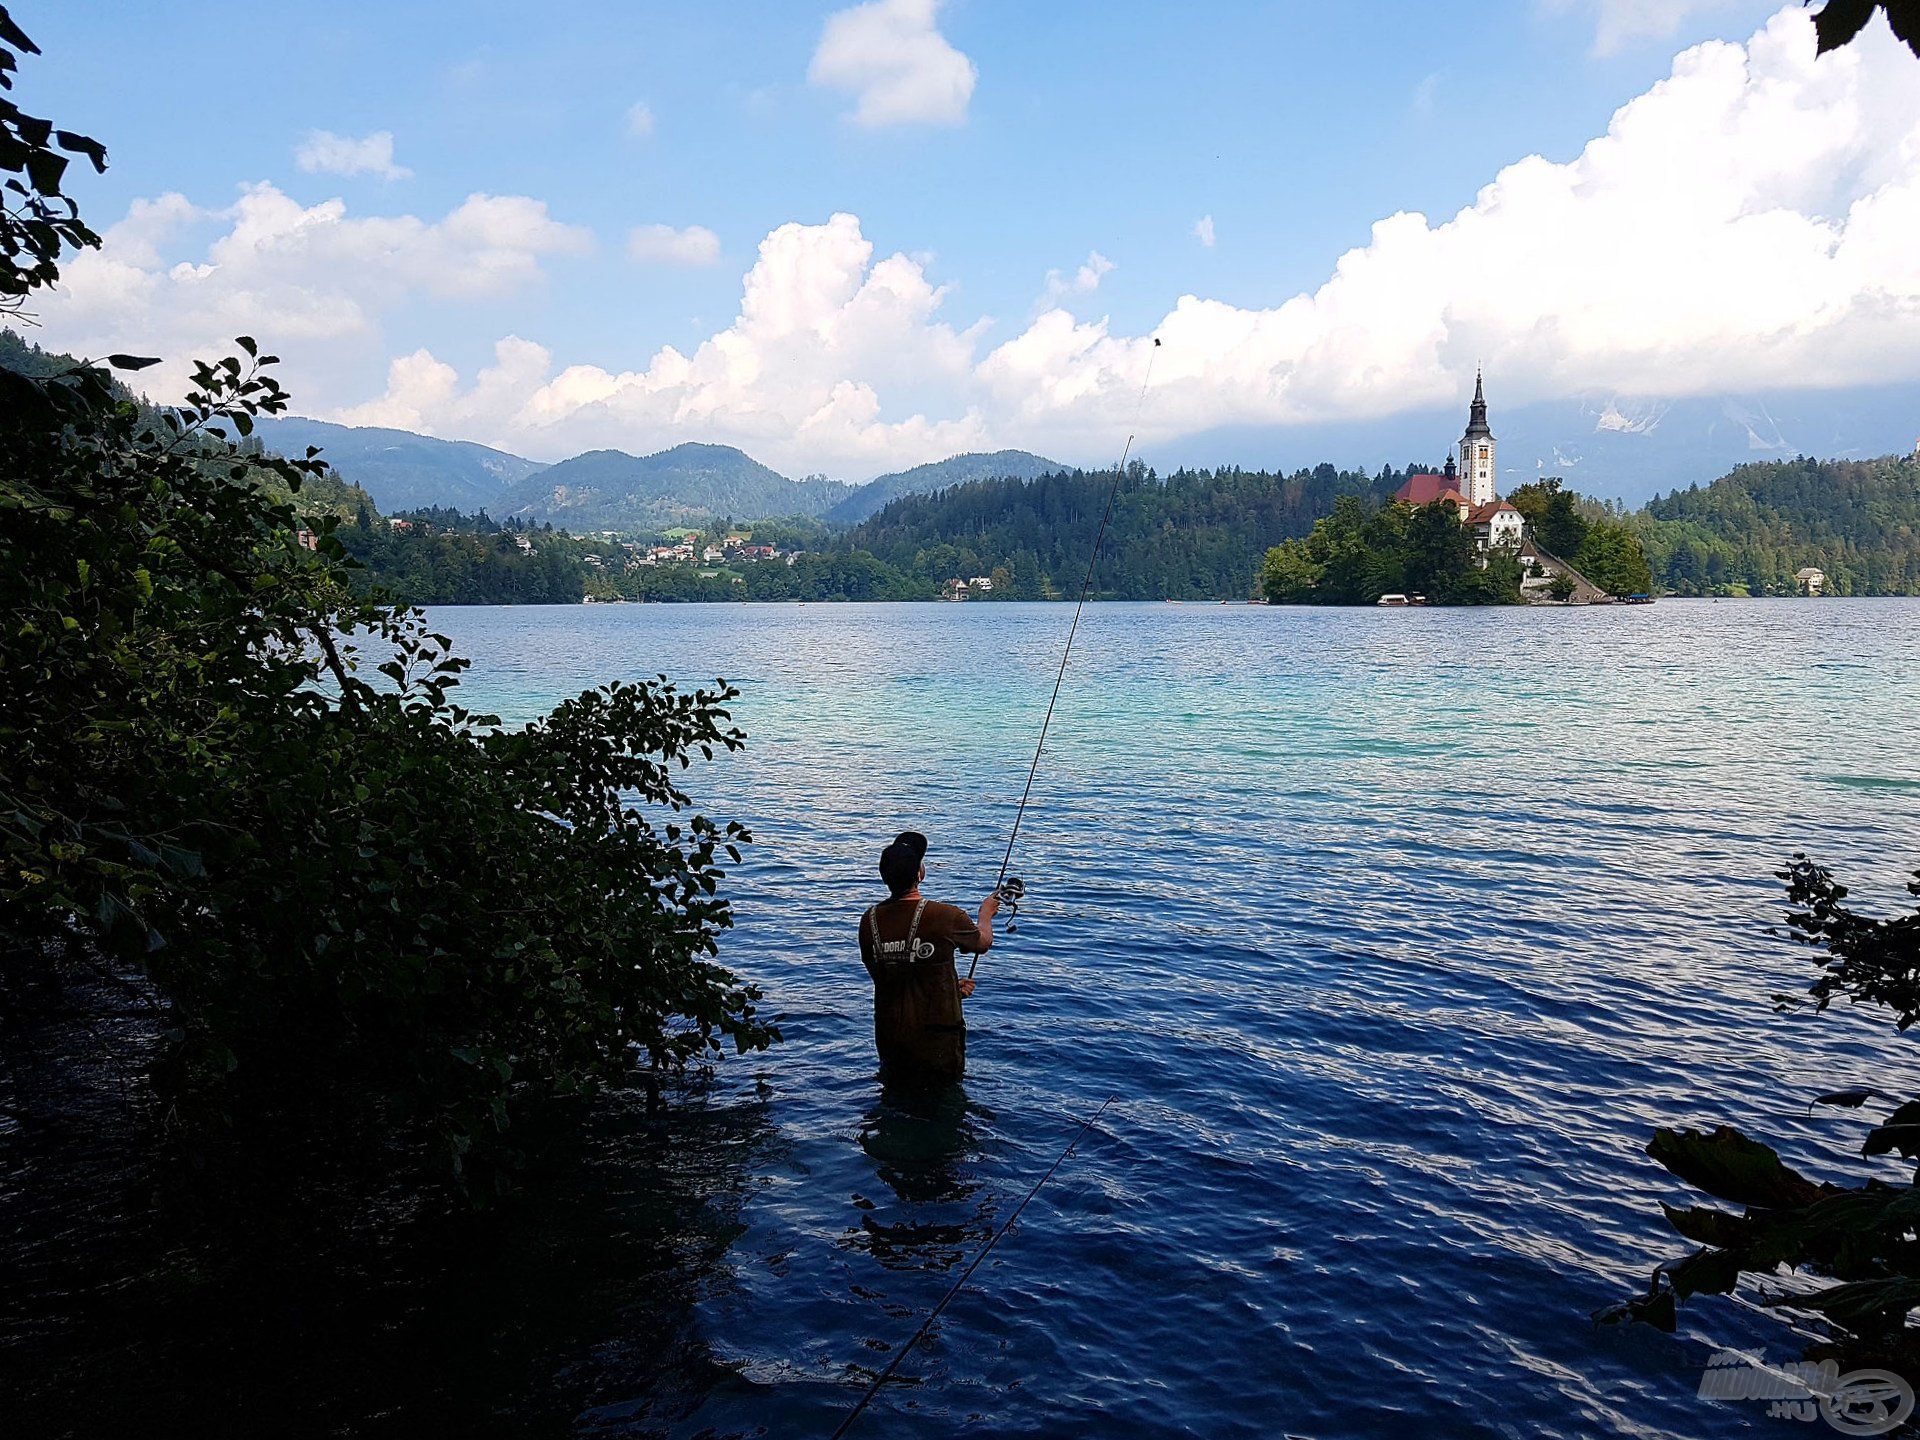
1395,600
1636,599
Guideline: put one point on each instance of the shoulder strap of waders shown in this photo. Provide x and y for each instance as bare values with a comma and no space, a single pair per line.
913,931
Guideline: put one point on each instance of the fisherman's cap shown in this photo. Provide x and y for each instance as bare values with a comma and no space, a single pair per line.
900,861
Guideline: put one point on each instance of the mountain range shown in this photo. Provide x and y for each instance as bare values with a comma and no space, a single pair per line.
689,484
399,469
686,485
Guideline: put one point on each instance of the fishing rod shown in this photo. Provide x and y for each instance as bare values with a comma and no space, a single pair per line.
1011,889
953,1290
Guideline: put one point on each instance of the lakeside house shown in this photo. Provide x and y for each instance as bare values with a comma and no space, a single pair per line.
958,589
1810,580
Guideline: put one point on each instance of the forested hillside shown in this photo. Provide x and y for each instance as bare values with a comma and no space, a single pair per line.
453,559
399,469
1750,531
1196,535
686,485
882,490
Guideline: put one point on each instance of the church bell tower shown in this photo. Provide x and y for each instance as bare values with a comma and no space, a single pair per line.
1476,451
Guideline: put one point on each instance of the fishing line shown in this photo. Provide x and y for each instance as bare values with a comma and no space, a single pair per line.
1086,585
985,1250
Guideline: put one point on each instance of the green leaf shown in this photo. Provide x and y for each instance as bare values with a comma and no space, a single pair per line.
1729,1166
1904,17
1839,21
1893,1139
1852,1099
1705,1272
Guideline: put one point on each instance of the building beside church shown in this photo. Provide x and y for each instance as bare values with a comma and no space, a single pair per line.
1469,483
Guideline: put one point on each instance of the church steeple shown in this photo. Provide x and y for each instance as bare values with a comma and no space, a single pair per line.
1476,450
1477,415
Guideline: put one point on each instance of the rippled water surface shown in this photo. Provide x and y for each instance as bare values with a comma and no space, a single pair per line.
1389,934
1392,935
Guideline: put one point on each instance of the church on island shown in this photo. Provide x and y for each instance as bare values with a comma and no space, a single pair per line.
1469,484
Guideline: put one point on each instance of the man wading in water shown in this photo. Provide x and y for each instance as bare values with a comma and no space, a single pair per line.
907,944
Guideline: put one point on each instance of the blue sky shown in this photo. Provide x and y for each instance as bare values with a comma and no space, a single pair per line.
1108,129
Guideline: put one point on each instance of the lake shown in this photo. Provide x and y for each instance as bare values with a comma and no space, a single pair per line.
1389,935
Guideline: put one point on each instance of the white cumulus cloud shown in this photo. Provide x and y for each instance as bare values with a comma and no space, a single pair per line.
310,281
891,56
664,245
325,153
1084,280
828,340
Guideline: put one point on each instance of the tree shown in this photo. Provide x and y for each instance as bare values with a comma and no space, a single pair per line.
1552,512
1290,573
1611,558
320,874
1439,552
38,222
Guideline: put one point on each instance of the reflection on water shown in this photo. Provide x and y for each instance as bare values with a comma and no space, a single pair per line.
1394,932
926,1150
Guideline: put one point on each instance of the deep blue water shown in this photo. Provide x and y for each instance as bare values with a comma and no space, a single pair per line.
1392,935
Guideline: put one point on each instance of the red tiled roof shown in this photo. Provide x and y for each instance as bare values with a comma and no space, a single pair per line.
1425,488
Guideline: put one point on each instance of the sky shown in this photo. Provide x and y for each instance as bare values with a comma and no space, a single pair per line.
852,238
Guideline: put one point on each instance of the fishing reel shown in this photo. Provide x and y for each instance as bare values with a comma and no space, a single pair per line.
1011,891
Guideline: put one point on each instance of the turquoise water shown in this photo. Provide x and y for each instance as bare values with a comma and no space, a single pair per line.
1391,933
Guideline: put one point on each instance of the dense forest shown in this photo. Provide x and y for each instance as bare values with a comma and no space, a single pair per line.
1196,535
1356,555
1193,535
1749,532
441,557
